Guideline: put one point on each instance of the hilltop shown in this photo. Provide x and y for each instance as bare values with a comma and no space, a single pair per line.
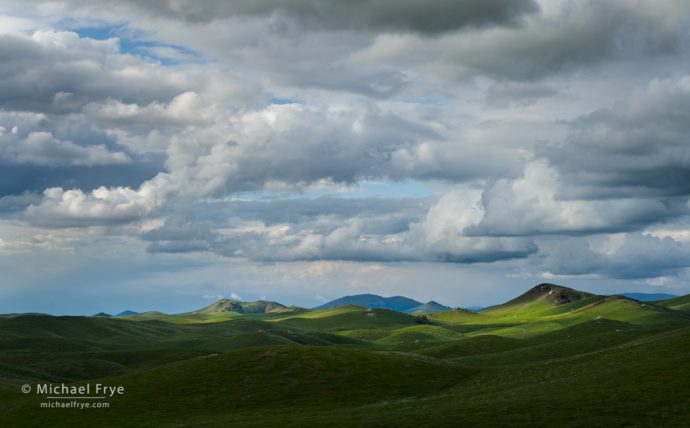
126,313
228,305
556,294
428,307
394,303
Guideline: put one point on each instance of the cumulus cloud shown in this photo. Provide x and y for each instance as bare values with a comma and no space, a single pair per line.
533,204
186,108
103,205
299,145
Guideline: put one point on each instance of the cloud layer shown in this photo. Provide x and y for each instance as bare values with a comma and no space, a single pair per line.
539,139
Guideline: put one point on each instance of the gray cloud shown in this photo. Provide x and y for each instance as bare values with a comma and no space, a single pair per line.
297,145
579,34
631,256
639,146
376,230
506,110
508,94
42,148
38,151
59,72
434,16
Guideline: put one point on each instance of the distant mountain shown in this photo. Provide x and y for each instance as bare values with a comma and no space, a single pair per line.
228,305
126,313
102,314
396,303
649,297
428,307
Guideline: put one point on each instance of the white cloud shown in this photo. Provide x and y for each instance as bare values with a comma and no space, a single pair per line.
100,206
42,148
532,204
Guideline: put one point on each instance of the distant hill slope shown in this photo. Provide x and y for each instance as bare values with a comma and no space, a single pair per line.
395,303
227,305
126,313
681,303
649,297
428,307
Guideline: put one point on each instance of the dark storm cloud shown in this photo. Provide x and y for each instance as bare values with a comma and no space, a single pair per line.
433,16
638,147
579,34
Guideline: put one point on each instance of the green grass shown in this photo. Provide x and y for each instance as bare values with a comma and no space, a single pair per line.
561,359
681,303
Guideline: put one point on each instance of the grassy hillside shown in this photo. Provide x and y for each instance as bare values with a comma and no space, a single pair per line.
681,303
551,357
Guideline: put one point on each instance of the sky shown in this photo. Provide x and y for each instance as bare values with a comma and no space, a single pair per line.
162,154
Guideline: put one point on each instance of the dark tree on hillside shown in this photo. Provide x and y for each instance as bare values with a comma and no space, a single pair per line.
421,319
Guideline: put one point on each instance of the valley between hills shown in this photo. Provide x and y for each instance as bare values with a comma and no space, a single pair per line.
553,356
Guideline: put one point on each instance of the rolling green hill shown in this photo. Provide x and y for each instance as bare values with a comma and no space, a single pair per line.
681,303
553,356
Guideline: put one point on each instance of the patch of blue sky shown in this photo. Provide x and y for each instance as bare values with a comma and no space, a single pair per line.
428,101
97,33
393,189
138,43
281,100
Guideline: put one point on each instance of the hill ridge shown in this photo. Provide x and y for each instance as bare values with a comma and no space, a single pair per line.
233,305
